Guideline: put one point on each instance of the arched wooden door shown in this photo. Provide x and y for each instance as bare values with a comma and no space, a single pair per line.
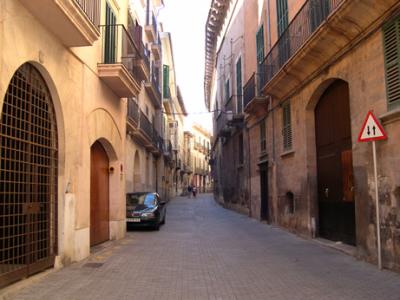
335,166
28,177
99,195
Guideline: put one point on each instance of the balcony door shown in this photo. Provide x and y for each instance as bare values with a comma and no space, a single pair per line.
319,10
110,36
283,22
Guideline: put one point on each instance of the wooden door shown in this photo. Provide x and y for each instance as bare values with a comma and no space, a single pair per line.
334,162
99,195
264,191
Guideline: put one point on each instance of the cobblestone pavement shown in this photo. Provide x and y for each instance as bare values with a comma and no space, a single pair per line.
207,252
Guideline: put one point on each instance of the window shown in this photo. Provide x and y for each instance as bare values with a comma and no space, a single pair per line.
239,93
241,156
283,21
166,91
110,35
260,45
263,138
287,127
283,18
227,91
391,41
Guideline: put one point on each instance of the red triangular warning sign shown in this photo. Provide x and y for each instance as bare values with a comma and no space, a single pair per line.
371,130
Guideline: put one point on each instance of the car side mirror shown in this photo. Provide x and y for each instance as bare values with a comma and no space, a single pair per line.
162,202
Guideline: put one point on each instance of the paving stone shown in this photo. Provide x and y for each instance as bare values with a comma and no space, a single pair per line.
207,252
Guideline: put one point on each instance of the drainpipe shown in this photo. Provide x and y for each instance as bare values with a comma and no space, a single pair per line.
269,25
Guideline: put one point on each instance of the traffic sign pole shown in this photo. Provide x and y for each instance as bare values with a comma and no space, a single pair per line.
378,230
372,131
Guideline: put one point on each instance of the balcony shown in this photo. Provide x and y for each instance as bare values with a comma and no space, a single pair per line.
167,100
167,150
253,103
316,36
158,143
74,22
156,49
187,168
141,65
119,55
153,87
234,117
151,26
222,129
145,133
132,115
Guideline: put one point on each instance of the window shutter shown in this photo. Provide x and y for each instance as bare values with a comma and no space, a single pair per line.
391,41
260,44
283,18
287,127
239,85
166,91
263,139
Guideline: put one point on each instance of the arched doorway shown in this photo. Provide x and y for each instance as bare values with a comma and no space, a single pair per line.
136,173
99,195
334,165
28,177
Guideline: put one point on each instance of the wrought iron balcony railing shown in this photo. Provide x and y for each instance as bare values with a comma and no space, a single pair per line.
118,46
133,111
155,80
146,126
303,25
92,10
249,90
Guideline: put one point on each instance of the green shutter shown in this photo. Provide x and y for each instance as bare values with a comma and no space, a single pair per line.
110,36
166,91
239,85
391,41
260,44
286,127
283,18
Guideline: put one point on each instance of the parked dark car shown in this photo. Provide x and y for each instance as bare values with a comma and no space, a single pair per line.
145,209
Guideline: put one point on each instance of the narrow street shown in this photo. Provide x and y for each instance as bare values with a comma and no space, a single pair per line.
207,252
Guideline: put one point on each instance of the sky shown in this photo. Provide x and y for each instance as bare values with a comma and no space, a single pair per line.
185,20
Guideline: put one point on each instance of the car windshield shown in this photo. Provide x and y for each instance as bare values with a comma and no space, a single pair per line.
141,199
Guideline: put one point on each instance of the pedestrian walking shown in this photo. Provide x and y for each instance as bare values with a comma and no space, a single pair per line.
194,189
190,190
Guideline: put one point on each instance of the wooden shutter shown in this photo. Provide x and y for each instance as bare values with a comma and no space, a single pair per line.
283,18
391,41
166,91
287,127
260,44
110,36
239,93
263,141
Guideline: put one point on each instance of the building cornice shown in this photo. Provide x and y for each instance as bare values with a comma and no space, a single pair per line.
214,25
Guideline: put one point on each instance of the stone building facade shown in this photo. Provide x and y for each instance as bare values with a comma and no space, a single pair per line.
81,124
318,68
200,156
